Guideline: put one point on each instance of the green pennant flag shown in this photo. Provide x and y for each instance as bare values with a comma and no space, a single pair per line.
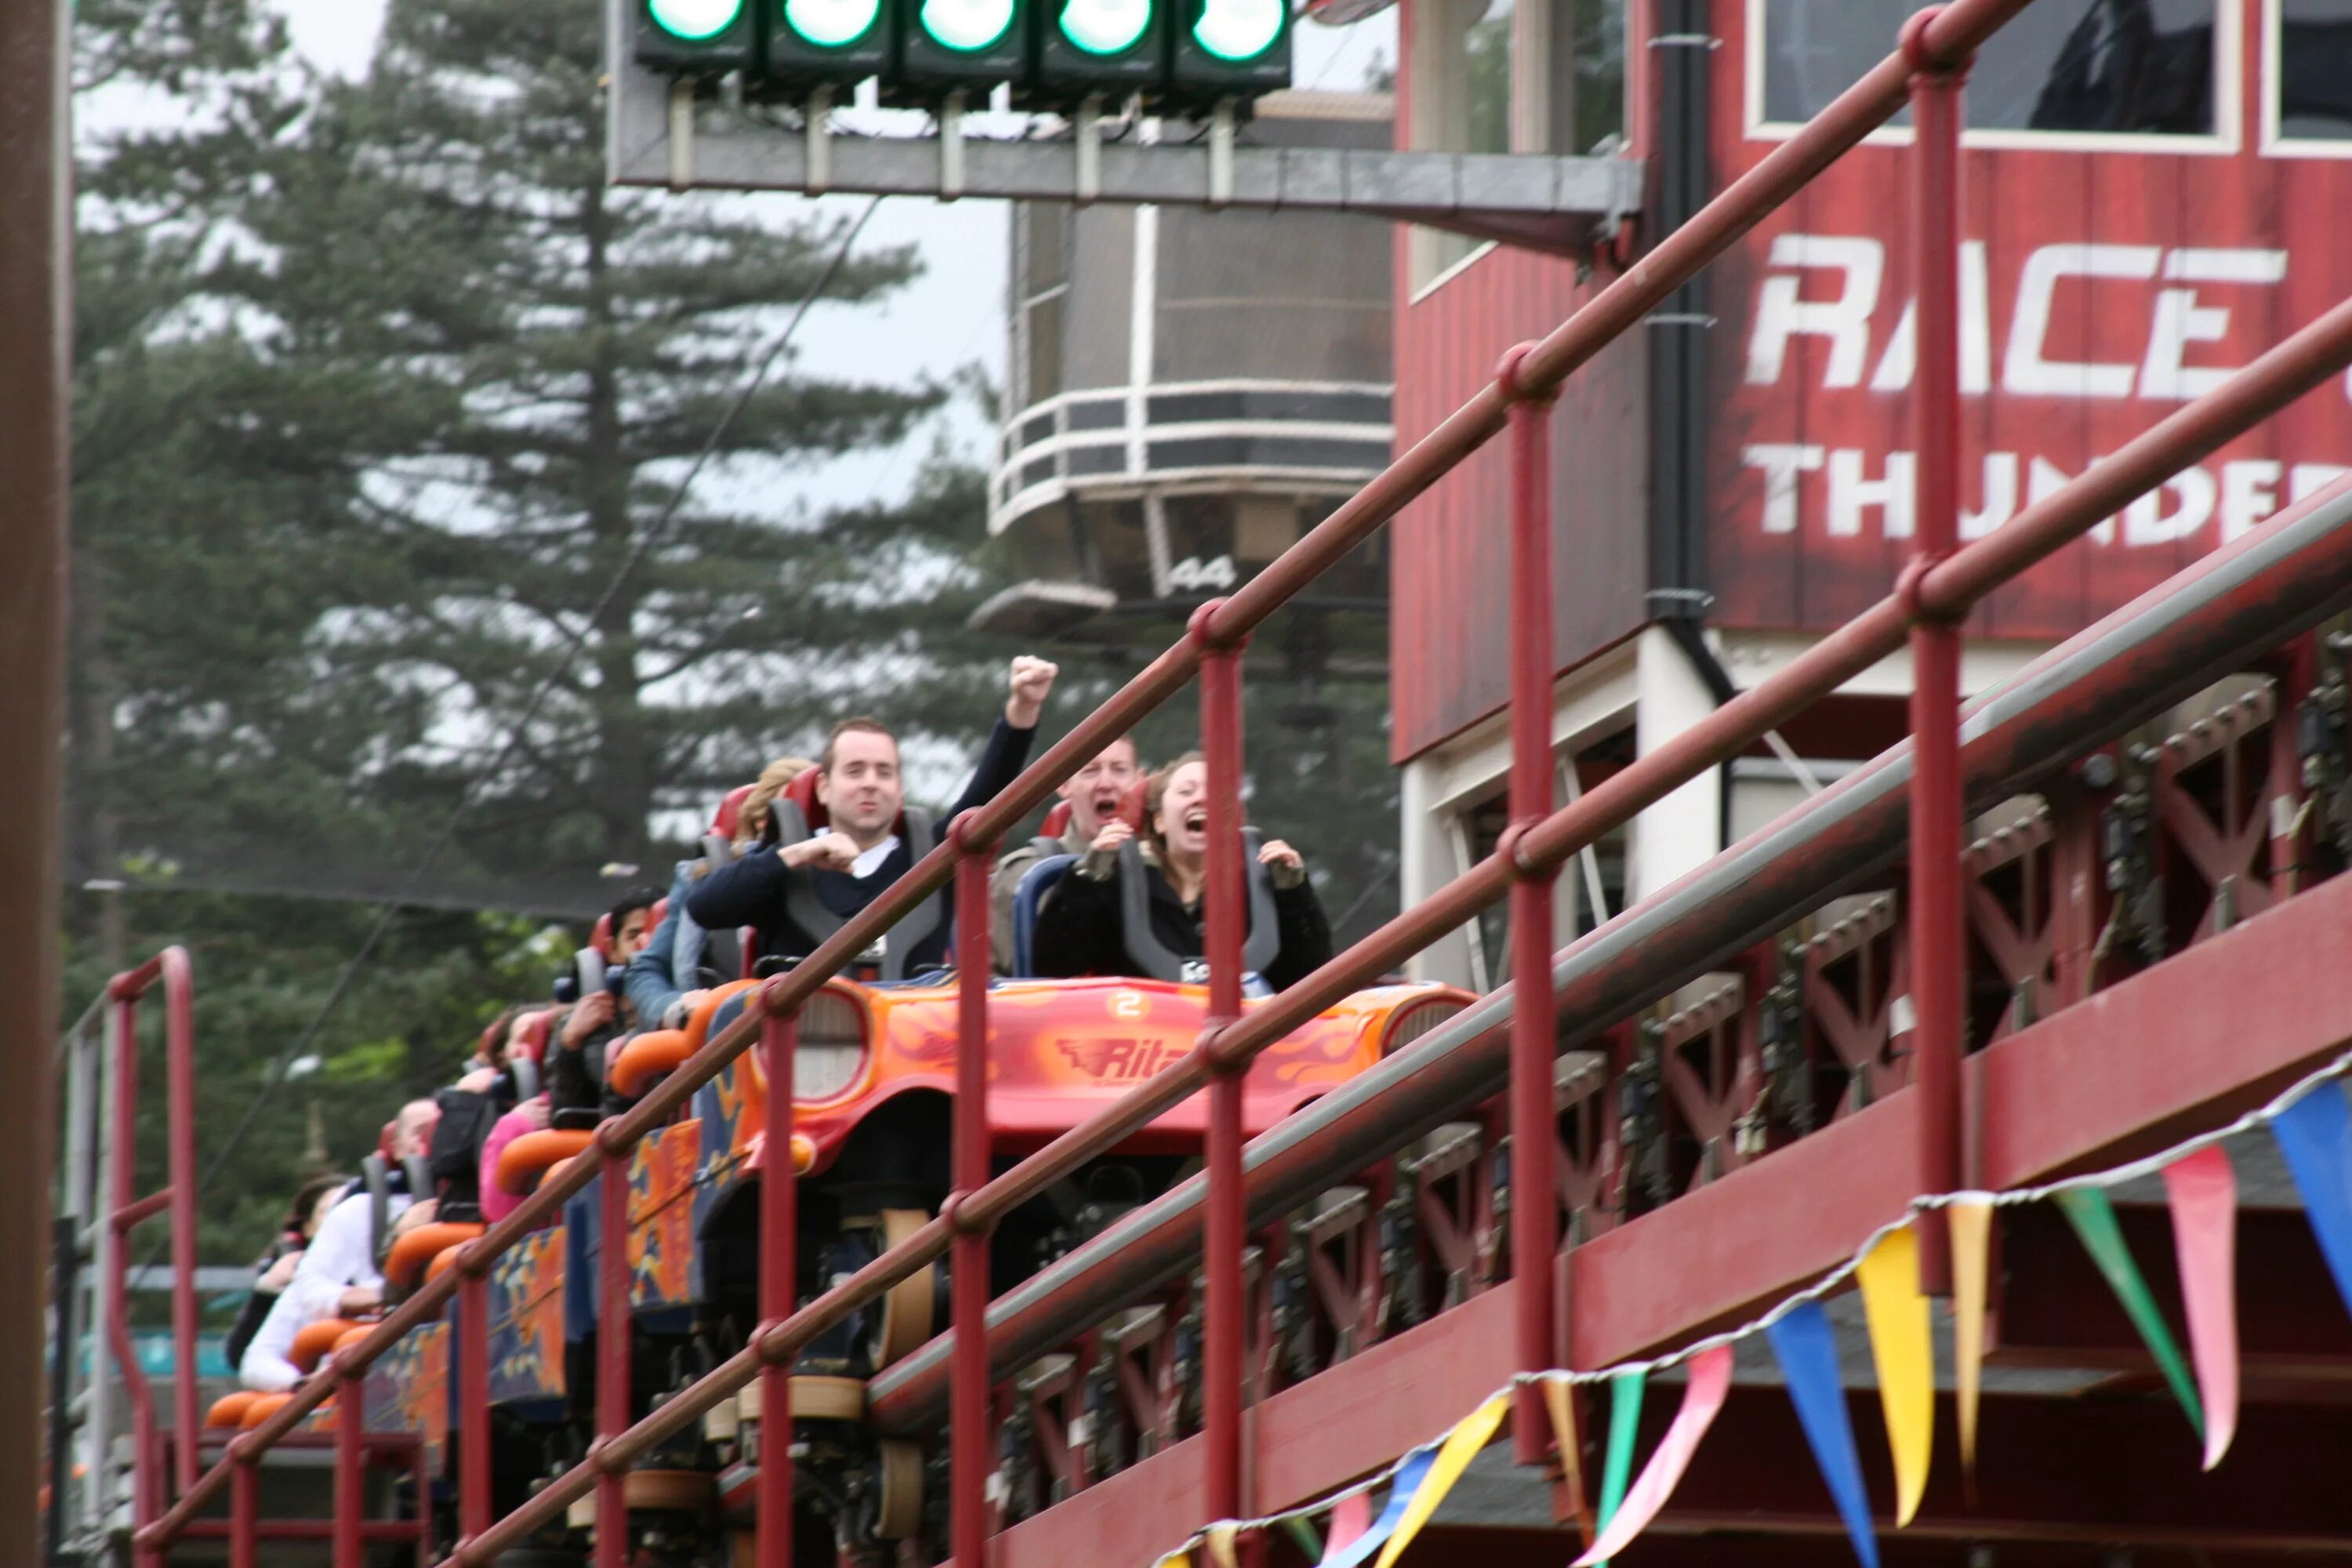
1624,1424
2094,1219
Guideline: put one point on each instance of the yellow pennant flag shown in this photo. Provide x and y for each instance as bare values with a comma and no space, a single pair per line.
1969,1219
1902,1343
1221,1545
1454,1457
1560,1396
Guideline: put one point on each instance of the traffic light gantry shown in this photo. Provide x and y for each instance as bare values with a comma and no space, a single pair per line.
1179,55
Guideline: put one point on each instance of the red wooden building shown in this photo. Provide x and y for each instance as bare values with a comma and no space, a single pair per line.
2152,192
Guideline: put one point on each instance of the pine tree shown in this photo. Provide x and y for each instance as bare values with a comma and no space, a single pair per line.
517,363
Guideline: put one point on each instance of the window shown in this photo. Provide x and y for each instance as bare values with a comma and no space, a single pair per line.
2310,75
1512,75
2128,67
1041,284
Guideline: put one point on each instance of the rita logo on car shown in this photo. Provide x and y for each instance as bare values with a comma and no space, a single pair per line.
1113,1059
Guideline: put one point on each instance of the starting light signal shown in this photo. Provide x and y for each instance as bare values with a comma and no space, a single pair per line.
696,37
827,41
1227,48
1180,55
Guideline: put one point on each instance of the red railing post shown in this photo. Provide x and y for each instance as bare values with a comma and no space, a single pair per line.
1535,1045
1224,932
244,1513
1938,959
350,1462
779,1287
613,1336
121,1198
473,1399
180,1108
969,1459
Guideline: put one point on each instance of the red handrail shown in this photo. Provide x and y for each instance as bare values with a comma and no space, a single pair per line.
1935,593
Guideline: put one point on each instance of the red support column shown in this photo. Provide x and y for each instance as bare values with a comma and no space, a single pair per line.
473,1402
1224,932
1938,930
243,1513
350,1462
779,1287
968,1460
146,1475
180,1108
1535,1045
613,1335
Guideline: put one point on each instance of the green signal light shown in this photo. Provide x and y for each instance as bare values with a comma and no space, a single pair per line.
1105,26
966,26
695,20
830,24
1239,29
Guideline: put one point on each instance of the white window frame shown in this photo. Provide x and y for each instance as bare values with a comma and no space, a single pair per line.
2273,144
2229,108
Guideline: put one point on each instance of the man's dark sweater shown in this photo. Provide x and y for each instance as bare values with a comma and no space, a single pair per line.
751,890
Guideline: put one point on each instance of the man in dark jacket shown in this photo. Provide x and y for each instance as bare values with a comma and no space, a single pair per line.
800,892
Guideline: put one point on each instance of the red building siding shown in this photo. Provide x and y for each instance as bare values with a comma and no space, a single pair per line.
2198,231
1447,580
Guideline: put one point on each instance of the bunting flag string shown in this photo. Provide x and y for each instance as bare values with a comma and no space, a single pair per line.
2202,1191
1902,1346
2088,1210
1352,1516
1560,1398
1454,1456
1806,1351
2312,1125
2315,1134
1710,1380
1410,1472
1625,1391
1969,1221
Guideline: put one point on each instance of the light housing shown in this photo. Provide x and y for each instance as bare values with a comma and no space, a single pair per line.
1114,48
968,44
833,41
697,38
1226,49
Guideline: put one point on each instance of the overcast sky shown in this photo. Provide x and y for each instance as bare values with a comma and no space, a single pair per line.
954,314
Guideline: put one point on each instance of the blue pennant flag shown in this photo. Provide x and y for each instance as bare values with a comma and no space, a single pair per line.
1409,1474
1808,1355
2315,1133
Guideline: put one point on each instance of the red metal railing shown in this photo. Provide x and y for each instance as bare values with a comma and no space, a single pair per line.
178,1197
1935,593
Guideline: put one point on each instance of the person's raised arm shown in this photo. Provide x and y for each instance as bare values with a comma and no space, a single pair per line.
1007,749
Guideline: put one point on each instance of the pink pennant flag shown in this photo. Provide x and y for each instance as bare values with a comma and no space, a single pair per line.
2204,1194
1351,1517
1710,1380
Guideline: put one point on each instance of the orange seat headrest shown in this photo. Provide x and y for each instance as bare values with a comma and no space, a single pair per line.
658,913
523,1162
263,1407
600,935
730,816
647,1059
229,1409
351,1336
313,1341
414,1251
1057,821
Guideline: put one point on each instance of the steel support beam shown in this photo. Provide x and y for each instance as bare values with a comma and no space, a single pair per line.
1544,203
2218,617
